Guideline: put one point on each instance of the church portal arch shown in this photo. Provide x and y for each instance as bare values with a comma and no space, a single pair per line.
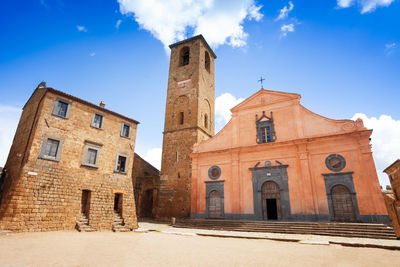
342,203
271,201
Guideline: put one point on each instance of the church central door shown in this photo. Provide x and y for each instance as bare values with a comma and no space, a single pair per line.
271,201
215,205
342,203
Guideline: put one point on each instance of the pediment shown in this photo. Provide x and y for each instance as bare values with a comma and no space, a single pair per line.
265,97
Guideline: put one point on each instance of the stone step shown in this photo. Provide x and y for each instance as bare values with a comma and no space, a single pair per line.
330,231
379,231
299,227
120,228
322,226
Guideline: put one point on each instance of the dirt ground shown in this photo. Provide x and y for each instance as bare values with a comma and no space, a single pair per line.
161,249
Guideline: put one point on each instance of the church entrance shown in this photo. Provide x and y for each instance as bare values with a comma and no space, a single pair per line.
342,203
271,201
214,204
85,203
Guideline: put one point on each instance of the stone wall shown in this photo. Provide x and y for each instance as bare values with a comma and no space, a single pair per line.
42,195
393,200
146,182
190,94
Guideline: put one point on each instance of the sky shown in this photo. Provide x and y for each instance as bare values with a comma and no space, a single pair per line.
342,56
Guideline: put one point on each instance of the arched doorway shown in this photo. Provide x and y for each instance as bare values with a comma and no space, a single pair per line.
214,204
343,207
271,201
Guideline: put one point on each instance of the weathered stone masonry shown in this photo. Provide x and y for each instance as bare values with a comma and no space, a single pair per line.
189,119
42,194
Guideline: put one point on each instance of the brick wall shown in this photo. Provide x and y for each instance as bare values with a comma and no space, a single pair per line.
392,201
42,195
191,93
146,182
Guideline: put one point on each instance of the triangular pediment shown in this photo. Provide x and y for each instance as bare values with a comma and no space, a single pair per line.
265,97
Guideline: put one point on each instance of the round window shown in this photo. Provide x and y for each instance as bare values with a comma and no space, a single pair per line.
335,162
214,172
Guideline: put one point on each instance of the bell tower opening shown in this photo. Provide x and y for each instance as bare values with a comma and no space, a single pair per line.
185,56
189,114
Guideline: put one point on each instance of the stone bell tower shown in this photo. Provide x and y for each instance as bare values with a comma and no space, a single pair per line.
189,119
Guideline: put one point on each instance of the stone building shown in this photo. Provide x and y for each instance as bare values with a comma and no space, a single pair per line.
189,119
146,183
70,165
393,200
276,160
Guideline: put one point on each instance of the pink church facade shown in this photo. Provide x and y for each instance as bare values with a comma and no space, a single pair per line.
276,160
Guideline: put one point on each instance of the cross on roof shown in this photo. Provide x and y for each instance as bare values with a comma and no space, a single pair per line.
261,81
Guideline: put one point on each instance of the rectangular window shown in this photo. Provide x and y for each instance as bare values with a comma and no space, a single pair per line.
266,135
121,164
126,128
181,118
61,108
91,156
97,121
51,148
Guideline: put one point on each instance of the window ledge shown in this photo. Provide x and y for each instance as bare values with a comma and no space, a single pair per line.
123,173
96,127
56,115
125,137
48,158
89,166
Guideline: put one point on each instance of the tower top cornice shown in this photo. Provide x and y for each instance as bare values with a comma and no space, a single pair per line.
192,39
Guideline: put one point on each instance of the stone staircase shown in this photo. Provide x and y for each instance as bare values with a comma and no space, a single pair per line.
359,230
83,225
118,224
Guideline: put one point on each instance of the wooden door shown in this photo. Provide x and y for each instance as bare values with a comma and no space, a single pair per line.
214,205
342,203
85,202
270,194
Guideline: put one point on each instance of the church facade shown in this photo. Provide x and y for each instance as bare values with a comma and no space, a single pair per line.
276,160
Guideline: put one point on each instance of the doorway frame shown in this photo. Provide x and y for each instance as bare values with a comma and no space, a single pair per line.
345,179
277,174
215,186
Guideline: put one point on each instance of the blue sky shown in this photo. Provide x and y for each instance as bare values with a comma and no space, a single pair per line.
342,56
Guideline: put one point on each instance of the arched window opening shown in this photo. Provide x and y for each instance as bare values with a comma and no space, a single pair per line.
206,121
181,118
185,55
207,61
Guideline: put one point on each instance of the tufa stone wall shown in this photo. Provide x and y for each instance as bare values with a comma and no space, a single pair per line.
392,201
146,182
190,95
43,195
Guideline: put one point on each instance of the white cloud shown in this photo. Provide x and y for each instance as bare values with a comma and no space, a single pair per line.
118,24
345,3
367,6
223,105
284,12
285,29
219,21
81,28
9,117
389,48
385,141
92,54
153,156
